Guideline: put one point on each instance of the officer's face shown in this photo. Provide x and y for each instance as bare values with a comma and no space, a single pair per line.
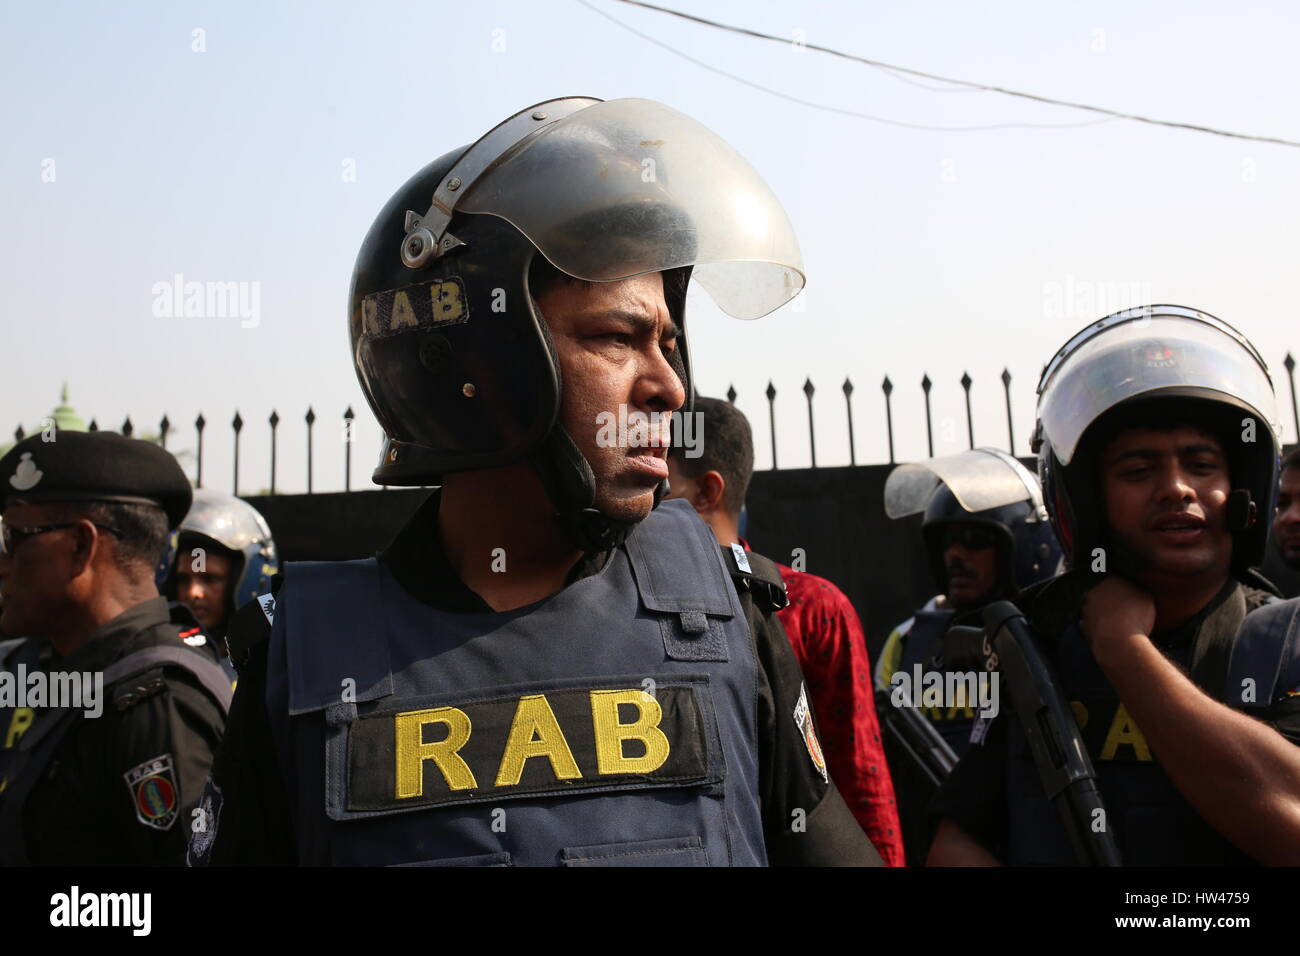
970,560
1286,526
1165,495
613,339
37,573
202,585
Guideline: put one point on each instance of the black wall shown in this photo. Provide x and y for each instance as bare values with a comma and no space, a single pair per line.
835,515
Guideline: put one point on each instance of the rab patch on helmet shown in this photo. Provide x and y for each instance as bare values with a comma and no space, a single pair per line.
423,305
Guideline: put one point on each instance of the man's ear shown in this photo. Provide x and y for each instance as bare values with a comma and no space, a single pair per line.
86,544
710,489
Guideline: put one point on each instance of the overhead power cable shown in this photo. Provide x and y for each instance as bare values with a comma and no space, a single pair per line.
836,109
986,87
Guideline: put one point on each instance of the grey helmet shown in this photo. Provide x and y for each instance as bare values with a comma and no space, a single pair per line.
1158,361
237,526
448,344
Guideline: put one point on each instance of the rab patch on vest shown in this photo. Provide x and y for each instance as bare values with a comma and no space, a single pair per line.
803,720
551,743
154,792
423,305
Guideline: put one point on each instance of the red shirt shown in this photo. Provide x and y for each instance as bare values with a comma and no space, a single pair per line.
827,639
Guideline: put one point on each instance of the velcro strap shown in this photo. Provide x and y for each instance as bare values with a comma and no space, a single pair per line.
694,622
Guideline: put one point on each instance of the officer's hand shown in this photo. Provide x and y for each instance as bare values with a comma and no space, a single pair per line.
1114,611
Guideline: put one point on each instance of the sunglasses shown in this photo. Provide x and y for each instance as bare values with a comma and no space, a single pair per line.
11,537
971,537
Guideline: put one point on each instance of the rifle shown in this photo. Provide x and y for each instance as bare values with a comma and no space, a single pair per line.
1057,746
922,744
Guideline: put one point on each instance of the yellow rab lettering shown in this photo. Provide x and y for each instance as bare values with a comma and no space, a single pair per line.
448,306
535,733
610,734
1123,730
412,751
18,724
403,315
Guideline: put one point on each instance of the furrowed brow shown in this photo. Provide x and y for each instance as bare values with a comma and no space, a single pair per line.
639,323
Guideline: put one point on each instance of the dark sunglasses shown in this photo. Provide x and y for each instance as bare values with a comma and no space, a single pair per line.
971,537
11,537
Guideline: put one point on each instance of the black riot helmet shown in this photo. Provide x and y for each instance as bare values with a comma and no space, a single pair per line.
1152,365
984,487
449,346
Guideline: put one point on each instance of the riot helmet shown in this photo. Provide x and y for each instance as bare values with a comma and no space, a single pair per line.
448,344
1152,364
984,487
236,526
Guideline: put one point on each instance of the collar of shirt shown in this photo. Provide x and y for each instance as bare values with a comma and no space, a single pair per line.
1187,632
417,560
109,642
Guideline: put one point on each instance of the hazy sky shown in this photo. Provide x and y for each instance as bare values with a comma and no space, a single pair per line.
255,142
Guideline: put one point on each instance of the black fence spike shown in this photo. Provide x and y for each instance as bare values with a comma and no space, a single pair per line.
19,434
1289,362
771,418
348,416
164,427
926,385
808,389
731,393
93,426
238,425
127,428
888,388
1011,435
199,425
274,420
847,388
310,418
970,425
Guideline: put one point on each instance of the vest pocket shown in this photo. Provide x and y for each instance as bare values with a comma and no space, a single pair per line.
675,851
482,859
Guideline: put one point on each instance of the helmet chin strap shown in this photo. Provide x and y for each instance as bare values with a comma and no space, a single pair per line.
567,477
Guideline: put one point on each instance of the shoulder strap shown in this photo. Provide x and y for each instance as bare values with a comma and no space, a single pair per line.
210,677
1214,642
1265,651
251,623
760,577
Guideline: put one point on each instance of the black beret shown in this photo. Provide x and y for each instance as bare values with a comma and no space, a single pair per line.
95,466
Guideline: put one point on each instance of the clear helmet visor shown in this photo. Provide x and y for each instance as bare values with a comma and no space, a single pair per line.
630,186
1147,352
230,522
980,479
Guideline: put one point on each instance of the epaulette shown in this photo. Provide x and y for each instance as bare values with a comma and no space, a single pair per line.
759,576
140,687
251,625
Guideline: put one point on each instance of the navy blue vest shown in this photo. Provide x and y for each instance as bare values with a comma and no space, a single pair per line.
1154,824
924,642
613,723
